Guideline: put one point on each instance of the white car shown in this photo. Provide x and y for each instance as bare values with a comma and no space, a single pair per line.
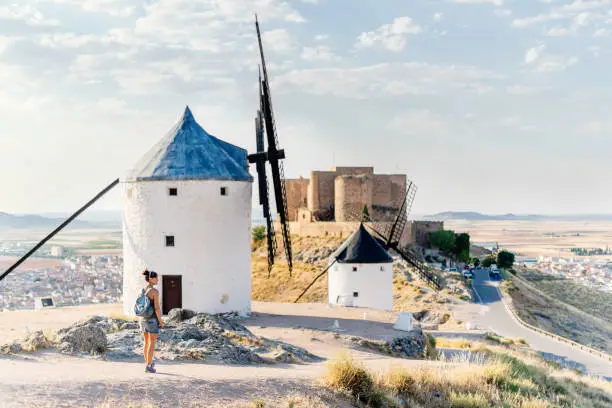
467,274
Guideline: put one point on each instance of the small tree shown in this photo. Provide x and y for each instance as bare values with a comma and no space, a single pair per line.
365,214
259,233
443,240
488,261
476,262
505,259
464,256
462,247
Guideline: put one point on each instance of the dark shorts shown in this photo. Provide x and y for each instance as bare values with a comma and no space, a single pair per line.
150,325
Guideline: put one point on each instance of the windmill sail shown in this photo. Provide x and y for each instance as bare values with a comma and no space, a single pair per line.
389,230
273,155
264,195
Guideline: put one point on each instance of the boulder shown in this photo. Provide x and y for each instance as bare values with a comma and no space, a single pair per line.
88,338
35,341
178,315
411,345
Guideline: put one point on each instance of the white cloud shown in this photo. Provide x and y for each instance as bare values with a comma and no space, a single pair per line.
421,122
591,128
581,13
279,40
116,8
544,62
318,53
389,80
392,36
321,37
493,2
602,32
437,17
533,54
522,90
557,32
595,50
28,14
502,12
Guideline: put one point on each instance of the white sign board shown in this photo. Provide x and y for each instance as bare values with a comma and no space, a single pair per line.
404,322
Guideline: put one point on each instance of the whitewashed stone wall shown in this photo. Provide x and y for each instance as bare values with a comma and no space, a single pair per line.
212,236
372,282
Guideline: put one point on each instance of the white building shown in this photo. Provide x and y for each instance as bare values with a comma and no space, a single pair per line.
187,216
57,251
362,275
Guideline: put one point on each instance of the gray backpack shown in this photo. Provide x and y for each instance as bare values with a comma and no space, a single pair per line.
144,306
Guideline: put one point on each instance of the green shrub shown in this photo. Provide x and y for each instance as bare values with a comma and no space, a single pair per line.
259,233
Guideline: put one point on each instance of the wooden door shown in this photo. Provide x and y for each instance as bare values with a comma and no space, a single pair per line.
172,292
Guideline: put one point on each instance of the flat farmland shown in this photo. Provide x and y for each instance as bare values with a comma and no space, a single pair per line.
535,238
32,263
81,241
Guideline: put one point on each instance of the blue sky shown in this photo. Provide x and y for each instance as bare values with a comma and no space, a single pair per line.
488,105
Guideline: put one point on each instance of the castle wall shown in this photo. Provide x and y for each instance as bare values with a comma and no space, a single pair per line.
353,171
297,196
321,193
323,229
422,229
351,193
414,231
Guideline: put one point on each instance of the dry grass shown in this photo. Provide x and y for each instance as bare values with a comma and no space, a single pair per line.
284,288
457,343
243,340
351,377
587,299
505,378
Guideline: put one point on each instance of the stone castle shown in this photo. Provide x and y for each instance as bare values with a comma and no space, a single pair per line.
340,194
331,203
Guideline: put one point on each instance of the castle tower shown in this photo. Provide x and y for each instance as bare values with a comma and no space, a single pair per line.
187,216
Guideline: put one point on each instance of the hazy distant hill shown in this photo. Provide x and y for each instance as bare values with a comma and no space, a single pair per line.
89,219
26,221
476,216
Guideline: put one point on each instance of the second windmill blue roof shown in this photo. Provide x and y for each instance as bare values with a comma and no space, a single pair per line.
188,152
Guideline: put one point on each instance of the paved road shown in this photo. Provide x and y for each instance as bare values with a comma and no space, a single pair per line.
498,319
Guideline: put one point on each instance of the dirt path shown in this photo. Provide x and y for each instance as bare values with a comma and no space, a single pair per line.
58,381
52,379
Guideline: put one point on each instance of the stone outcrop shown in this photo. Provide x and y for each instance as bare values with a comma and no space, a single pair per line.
186,336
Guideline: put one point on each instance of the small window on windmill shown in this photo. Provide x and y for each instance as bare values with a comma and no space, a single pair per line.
172,191
354,269
355,294
223,191
169,240
382,268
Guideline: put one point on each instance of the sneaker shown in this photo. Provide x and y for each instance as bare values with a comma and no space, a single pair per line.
150,369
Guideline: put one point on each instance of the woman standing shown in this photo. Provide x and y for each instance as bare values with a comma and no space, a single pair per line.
150,326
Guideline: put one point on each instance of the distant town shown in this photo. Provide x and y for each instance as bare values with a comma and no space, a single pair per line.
77,280
595,273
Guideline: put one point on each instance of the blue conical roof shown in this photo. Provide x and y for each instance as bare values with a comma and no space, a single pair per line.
188,152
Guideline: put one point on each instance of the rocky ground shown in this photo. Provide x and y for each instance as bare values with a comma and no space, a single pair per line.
203,360
221,339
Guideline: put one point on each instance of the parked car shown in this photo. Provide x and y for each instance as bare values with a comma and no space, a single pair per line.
494,274
467,274
453,269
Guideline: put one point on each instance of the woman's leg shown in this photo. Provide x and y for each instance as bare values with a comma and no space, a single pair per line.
145,349
151,350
